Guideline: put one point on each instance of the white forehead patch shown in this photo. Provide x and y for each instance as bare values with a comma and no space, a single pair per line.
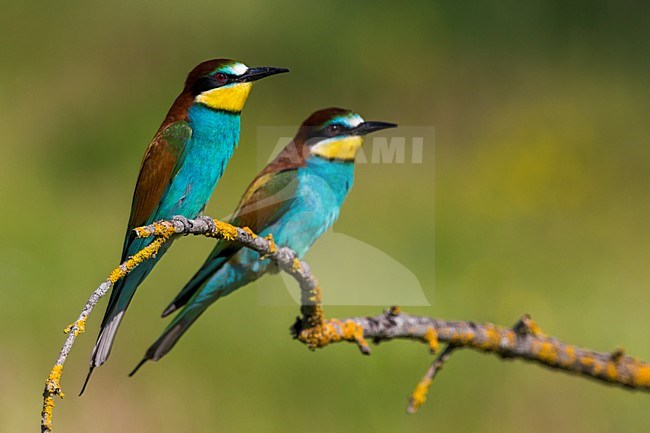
354,120
236,69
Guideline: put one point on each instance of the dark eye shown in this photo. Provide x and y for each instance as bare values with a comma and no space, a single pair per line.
220,77
333,129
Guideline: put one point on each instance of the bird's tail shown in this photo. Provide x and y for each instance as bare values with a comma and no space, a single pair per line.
173,333
121,297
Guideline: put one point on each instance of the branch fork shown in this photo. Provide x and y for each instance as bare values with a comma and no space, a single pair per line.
524,340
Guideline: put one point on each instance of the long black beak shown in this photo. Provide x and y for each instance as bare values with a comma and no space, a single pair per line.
254,74
368,127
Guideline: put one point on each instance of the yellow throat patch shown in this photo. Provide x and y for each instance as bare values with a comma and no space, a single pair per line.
229,98
345,148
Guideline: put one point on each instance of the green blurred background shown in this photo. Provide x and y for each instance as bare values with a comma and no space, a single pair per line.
539,204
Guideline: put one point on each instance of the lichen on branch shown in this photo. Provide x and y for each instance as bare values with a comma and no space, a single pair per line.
524,340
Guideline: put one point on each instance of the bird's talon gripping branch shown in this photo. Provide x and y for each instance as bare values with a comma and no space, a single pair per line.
523,341
209,222
187,224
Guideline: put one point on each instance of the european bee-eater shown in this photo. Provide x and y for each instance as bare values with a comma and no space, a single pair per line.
296,198
181,167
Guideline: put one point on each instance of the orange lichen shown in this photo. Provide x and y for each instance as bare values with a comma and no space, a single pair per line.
431,338
597,369
332,331
250,232
395,310
587,361
641,375
419,395
611,371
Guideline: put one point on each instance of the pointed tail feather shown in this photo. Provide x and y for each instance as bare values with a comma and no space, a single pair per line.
102,348
172,334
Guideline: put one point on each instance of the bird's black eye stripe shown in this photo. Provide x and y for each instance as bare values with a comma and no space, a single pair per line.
202,84
210,82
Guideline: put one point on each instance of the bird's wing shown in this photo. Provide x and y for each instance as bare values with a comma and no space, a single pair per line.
263,204
159,166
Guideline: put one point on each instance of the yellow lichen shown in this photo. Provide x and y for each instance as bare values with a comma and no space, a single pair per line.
225,230
464,338
68,328
296,266
52,388
142,232
395,310
272,246
80,327
250,232
431,338
142,255
48,409
419,395
116,275
570,356
491,339
547,353
162,229
534,328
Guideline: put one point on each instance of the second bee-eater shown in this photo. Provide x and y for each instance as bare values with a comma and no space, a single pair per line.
181,168
296,198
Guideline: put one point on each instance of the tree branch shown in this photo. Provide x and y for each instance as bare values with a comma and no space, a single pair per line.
419,396
162,231
524,340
